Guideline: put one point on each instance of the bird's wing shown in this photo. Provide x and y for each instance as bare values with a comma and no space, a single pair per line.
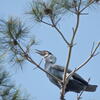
79,78
75,75
58,68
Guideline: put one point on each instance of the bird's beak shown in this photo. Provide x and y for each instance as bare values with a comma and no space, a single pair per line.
39,52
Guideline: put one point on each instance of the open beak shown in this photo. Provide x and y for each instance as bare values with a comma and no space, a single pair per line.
39,52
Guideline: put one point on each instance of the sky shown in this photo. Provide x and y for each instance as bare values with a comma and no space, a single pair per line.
35,82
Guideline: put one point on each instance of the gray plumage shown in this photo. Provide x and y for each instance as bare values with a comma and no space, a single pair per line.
76,82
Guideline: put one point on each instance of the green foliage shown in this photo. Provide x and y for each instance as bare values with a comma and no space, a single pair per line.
36,10
52,8
8,91
56,9
13,35
11,31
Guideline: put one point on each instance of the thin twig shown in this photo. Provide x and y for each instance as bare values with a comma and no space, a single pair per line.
87,6
86,61
46,23
39,64
92,47
57,29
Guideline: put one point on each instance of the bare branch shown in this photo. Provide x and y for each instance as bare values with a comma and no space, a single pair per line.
46,23
58,21
56,28
54,25
86,61
93,53
92,47
39,64
65,81
92,1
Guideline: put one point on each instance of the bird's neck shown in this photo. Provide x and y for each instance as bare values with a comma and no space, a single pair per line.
49,62
48,65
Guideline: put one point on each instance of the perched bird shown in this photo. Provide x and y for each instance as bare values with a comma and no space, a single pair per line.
76,82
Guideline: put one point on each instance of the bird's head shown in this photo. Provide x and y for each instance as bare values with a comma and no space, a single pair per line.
48,56
43,53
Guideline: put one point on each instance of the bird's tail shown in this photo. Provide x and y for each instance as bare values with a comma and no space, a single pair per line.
91,88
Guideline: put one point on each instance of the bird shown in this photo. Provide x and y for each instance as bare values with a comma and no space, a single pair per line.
76,82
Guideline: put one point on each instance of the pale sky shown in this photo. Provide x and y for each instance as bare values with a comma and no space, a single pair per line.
35,82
